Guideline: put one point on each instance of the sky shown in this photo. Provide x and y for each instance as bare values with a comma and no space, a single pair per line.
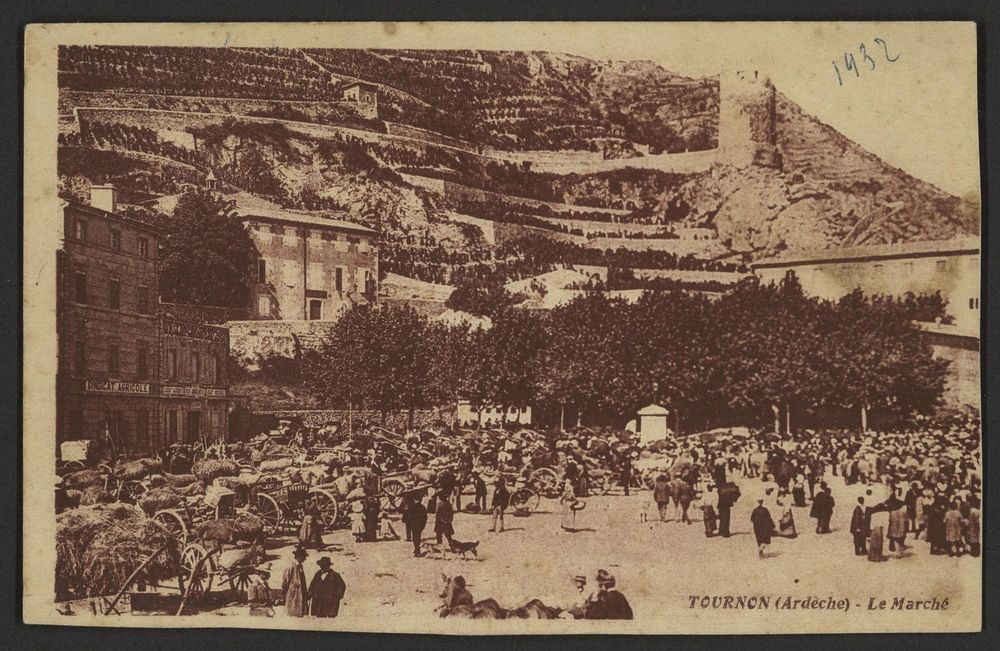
918,112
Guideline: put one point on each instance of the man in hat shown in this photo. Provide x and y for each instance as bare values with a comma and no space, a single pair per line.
608,603
326,590
763,526
414,518
293,585
859,528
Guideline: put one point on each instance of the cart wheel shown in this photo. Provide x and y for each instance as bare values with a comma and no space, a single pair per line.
546,481
525,498
130,491
198,576
269,512
239,580
173,522
73,466
393,490
328,509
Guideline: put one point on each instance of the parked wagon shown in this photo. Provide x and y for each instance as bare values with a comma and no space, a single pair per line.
282,506
202,567
182,522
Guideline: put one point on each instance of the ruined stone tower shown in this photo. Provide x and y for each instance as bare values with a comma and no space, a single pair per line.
747,133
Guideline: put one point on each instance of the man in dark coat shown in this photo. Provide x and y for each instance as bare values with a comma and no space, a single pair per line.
661,495
326,590
822,509
415,519
859,528
763,526
608,603
728,495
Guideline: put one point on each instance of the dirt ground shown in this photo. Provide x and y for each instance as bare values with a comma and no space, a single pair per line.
659,566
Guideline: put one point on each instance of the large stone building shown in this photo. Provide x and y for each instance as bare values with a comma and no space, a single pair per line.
116,356
950,267
310,267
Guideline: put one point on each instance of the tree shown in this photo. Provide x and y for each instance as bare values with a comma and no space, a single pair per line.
378,356
207,255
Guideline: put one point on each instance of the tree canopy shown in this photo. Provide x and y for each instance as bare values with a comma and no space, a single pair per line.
757,351
207,255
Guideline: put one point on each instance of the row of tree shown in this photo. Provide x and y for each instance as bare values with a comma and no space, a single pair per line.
756,352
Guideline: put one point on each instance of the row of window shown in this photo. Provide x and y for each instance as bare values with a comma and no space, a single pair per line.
118,426
80,293
202,369
290,275
82,234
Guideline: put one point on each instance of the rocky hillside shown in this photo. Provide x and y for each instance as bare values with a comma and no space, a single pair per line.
299,148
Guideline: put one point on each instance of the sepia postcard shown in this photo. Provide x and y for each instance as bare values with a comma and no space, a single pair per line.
647,328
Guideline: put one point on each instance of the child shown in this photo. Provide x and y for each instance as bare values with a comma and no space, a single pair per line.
385,530
358,520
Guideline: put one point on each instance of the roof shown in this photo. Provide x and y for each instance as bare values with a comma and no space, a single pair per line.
653,410
360,84
97,212
250,208
955,246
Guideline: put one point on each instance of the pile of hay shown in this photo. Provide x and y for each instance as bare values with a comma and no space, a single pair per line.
138,469
81,479
239,484
272,465
98,548
91,495
179,481
245,526
207,470
157,499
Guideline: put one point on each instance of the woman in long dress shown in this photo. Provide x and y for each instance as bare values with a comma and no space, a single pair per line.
568,500
358,520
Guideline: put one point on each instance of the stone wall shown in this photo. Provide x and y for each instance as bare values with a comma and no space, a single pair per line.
249,340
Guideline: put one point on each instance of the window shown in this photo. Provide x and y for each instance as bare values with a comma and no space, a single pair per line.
316,275
172,364
142,362
315,310
81,286
216,368
116,239
115,294
142,295
142,429
172,428
75,424
196,366
113,360
144,247
290,273
339,280
942,265
80,363
81,231
261,270
263,306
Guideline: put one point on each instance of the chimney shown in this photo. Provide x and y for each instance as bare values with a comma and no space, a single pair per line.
104,197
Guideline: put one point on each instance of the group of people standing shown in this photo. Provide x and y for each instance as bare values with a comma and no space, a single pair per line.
321,597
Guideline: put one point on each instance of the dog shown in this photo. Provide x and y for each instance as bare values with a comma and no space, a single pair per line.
462,548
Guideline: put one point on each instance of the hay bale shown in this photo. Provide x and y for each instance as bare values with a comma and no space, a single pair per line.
244,526
155,481
240,483
98,547
92,495
81,479
137,468
179,481
272,465
158,499
208,469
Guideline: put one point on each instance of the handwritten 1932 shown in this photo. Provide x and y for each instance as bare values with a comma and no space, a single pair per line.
851,64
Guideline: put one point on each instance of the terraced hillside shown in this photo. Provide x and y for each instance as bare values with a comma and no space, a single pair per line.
475,164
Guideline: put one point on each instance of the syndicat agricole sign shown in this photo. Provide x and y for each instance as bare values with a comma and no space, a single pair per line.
116,386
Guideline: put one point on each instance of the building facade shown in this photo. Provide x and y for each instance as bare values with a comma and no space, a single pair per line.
950,267
111,351
310,267
360,92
